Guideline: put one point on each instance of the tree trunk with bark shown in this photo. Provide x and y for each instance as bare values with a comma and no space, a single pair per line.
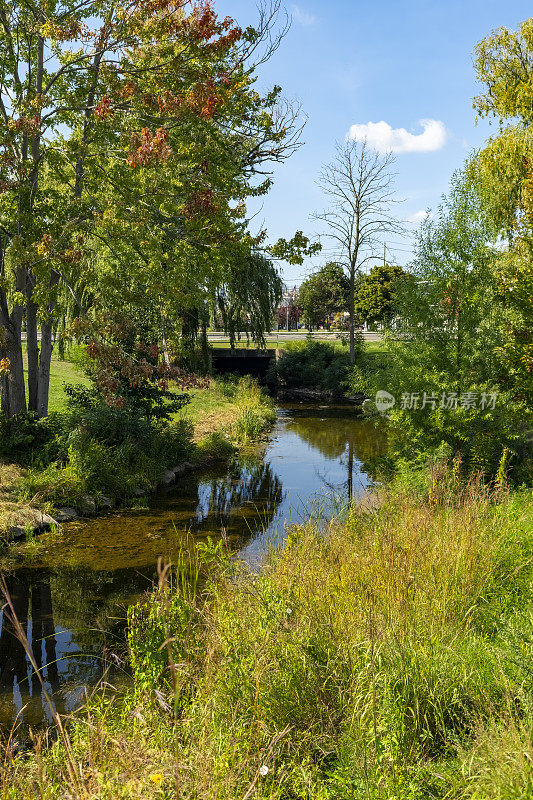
45,359
32,347
12,388
352,315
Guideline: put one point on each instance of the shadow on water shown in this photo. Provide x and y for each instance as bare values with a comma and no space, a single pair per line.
71,590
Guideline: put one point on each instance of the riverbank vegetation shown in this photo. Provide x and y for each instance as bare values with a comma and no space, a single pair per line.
90,449
382,655
385,655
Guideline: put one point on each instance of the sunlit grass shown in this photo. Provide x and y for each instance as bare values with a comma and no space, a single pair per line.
61,373
385,656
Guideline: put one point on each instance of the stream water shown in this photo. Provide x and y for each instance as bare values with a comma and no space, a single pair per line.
71,589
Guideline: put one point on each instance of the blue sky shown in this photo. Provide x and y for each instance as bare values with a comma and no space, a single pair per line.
354,62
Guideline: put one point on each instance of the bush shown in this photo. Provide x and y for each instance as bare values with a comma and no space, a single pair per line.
489,441
256,412
25,438
313,365
102,450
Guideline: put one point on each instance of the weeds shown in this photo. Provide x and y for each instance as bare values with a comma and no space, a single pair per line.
388,656
256,412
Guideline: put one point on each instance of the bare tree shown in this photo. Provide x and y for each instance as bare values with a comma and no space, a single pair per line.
359,184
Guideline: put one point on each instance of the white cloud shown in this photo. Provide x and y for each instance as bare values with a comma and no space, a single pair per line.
383,138
302,17
417,217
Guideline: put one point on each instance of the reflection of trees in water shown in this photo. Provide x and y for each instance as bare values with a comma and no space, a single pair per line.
70,619
334,436
93,604
330,435
73,616
222,502
32,601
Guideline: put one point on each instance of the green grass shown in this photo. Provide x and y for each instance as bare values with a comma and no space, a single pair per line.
237,408
61,372
387,657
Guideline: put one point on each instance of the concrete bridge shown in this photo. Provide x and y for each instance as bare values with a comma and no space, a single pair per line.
243,362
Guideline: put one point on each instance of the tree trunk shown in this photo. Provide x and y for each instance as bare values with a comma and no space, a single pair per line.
12,388
33,354
351,309
44,367
164,341
47,346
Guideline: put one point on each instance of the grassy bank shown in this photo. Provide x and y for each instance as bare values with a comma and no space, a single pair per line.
105,454
388,657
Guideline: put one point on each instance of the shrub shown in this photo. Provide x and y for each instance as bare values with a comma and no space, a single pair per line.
313,365
25,438
102,450
486,441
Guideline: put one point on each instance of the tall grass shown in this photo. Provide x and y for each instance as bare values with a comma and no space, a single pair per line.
256,412
387,657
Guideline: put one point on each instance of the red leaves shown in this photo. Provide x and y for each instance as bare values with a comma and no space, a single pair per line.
120,363
148,148
201,202
28,125
104,108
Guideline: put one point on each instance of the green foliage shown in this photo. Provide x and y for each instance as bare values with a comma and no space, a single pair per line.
214,447
450,341
387,656
23,436
294,250
503,64
370,373
97,450
247,296
375,294
313,365
256,410
166,631
480,437
323,294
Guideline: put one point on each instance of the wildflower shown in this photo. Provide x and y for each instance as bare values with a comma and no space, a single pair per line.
288,611
156,777
263,771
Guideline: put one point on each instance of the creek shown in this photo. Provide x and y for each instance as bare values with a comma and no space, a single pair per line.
71,589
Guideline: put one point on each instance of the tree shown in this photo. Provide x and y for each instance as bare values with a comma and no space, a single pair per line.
446,352
358,184
504,169
131,137
375,293
247,298
323,294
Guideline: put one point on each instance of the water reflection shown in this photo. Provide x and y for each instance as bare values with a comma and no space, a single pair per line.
71,590
32,603
74,623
